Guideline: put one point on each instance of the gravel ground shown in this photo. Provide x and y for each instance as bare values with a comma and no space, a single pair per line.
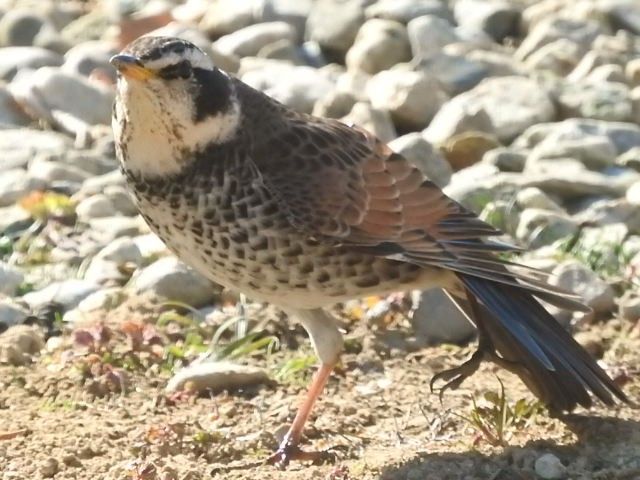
527,112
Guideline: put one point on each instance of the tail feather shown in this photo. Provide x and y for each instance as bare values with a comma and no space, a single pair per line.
536,347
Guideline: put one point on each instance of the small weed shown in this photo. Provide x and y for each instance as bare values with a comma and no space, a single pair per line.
45,205
496,420
296,370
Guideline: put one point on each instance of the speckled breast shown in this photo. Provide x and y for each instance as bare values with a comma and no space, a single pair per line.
219,218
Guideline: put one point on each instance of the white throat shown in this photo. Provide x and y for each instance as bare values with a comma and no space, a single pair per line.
157,131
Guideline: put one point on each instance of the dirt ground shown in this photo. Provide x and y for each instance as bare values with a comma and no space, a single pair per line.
377,415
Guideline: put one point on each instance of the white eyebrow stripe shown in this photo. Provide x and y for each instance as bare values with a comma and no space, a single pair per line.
195,57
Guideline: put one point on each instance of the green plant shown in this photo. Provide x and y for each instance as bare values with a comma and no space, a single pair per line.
496,420
296,370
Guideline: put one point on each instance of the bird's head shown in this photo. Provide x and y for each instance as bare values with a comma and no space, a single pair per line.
171,102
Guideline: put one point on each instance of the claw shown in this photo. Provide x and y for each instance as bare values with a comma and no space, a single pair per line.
288,452
458,374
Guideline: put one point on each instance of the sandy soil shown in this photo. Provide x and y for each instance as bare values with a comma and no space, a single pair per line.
377,415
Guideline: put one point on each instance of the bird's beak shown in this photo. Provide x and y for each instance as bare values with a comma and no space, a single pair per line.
130,67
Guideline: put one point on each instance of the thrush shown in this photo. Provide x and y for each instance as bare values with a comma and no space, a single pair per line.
305,212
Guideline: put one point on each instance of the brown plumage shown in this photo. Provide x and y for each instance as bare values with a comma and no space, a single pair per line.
305,212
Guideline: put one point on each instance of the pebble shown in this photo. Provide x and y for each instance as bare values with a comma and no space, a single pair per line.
19,343
379,45
49,467
458,116
227,16
249,40
608,101
629,306
216,377
404,11
171,279
374,120
549,467
19,27
11,114
456,73
412,98
498,19
15,184
468,148
10,278
421,153
335,33
594,292
436,319
429,34
11,312
96,206
67,293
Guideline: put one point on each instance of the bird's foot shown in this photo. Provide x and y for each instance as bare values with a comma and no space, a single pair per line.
288,452
455,376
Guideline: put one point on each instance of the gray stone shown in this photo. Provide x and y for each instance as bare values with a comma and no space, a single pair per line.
624,136
436,319
549,467
10,279
13,59
216,377
512,103
294,12
559,56
17,183
497,18
249,40
406,10
12,313
96,206
582,32
335,104
50,172
13,217
630,159
335,33
110,228
68,293
379,45
456,73
169,278
74,94
539,227
594,292
422,154
533,197
121,199
298,87
31,140
84,58
227,16
608,101
594,151
122,250
19,27
429,34
455,117
98,184
625,14
412,98
374,120
506,159
628,306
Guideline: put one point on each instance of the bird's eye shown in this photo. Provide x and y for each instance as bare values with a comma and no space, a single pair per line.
177,70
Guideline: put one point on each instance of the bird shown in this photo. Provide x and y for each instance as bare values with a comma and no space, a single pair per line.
306,212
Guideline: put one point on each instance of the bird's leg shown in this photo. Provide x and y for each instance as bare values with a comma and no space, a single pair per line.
327,342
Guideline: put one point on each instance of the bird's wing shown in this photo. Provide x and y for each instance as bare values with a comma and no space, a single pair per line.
338,183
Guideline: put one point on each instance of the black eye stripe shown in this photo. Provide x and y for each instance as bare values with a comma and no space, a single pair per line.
178,70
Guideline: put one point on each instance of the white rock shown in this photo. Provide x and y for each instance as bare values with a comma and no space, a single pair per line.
249,40
121,250
68,293
52,171
110,228
13,59
10,278
412,98
35,141
11,216
633,194
96,206
422,154
497,18
456,73
173,280
610,101
335,32
595,151
121,199
17,183
539,227
11,313
374,120
429,34
406,10
549,467
107,298
379,45
227,16
70,93
533,197
512,103
457,116
100,183
577,278
11,114
150,245
216,376
437,320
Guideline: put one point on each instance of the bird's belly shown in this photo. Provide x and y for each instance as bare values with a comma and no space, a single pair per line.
282,268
